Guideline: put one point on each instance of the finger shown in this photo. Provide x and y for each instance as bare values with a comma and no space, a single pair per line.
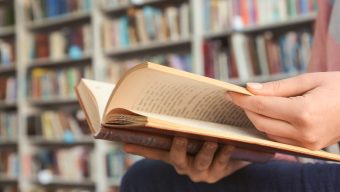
178,154
221,159
272,126
294,86
275,107
147,152
284,140
205,156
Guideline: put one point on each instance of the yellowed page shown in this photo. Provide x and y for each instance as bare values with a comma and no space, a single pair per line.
94,96
161,90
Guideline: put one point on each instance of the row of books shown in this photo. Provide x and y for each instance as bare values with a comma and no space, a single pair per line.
41,9
58,189
74,43
117,162
179,61
7,52
220,15
7,17
149,24
9,163
265,54
8,89
64,126
47,84
8,125
72,164
116,3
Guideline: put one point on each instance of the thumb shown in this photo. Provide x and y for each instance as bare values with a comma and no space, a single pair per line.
290,87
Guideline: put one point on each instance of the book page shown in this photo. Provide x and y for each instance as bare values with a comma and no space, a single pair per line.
158,92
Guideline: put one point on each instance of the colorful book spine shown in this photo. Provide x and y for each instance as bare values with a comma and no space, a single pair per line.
48,84
237,14
42,9
7,16
146,25
71,43
7,52
9,161
62,126
262,55
8,89
179,61
8,125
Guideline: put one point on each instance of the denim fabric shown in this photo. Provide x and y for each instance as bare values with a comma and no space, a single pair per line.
156,176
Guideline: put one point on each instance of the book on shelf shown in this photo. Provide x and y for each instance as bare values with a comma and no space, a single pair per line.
238,14
9,163
147,25
45,9
64,126
264,54
7,53
50,84
152,103
8,89
8,126
73,43
51,164
9,189
7,17
117,68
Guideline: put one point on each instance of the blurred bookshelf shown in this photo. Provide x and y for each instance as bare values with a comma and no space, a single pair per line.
46,46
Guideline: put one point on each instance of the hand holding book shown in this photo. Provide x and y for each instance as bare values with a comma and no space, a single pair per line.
301,111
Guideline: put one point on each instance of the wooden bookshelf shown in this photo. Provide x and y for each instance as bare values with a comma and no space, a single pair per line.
6,181
7,70
124,7
148,47
8,105
56,101
58,21
8,143
7,31
61,183
43,142
57,63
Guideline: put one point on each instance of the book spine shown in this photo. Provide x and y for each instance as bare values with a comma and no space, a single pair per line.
163,142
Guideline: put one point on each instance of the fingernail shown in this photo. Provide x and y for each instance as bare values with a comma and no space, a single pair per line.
228,97
255,85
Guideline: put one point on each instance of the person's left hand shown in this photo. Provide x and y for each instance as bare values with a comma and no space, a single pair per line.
302,111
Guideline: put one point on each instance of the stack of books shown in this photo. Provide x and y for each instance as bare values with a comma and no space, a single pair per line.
58,125
71,43
179,61
220,15
9,163
74,164
262,55
8,89
8,125
49,84
42,9
147,25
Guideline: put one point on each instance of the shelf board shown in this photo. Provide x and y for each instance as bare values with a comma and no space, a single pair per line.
8,143
263,27
147,47
262,79
124,7
8,105
7,69
61,20
53,101
52,63
4,180
88,184
40,141
7,31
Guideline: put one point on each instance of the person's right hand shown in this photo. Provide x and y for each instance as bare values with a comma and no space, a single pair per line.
209,165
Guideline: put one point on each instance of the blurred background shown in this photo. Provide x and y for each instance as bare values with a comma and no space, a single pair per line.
46,46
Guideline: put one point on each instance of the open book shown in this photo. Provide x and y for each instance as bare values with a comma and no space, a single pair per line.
152,103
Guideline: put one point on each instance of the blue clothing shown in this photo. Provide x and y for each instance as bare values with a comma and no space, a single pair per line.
277,176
